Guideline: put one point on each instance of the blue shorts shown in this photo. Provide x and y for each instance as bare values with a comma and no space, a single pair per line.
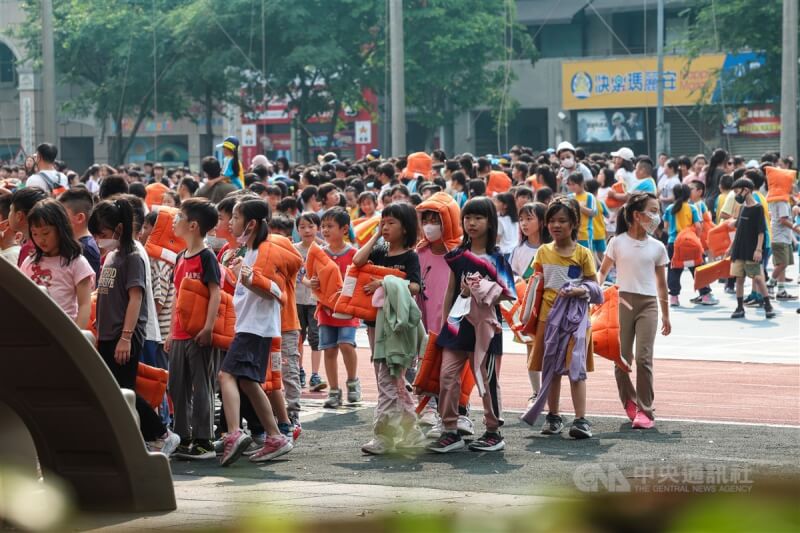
332,336
599,245
585,244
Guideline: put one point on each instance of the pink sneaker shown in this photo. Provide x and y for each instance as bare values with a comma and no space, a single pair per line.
273,447
233,446
642,421
631,410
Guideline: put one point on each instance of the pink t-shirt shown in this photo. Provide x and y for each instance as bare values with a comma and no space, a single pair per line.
60,280
435,275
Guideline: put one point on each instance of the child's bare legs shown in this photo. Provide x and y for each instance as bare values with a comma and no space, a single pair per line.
332,366
740,287
578,390
350,360
278,403
535,377
261,406
316,358
230,400
760,286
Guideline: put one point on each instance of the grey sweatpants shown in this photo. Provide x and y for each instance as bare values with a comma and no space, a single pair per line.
290,371
191,387
638,320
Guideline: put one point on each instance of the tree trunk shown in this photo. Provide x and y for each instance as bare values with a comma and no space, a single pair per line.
208,147
337,106
118,155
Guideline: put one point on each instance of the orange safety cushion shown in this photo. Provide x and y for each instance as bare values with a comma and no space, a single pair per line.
155,194
192,306
688,249
707,274
719,239
779,183
532,303
227,280
512,312
418,163
450,215
426,382
162,243
618,188
353,301
320,265
151,384
287,265
265,271
605,328
497,182
365,228
273,380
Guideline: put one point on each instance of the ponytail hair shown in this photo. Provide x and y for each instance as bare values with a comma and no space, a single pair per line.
108,214
682,194
258,210
636,203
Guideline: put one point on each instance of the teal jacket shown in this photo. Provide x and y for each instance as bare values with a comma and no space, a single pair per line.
399,334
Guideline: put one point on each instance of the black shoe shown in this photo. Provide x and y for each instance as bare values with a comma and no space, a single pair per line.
581,429
769,313
302,379
784,296
201,449
696,299
739,313
488,442
553,425
448,442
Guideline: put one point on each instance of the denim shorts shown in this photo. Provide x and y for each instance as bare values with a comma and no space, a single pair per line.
332,336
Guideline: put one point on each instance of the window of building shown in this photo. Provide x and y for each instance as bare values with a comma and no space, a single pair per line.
559,40
8,66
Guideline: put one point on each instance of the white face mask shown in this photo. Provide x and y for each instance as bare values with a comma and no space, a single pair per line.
433,232
568,162
109,245
652,225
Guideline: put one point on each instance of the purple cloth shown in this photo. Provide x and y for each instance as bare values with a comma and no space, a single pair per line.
568,320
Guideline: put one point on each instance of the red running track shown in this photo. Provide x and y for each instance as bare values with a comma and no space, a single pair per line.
693,390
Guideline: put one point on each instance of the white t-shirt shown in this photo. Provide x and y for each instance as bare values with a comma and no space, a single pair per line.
151,330
507,234
636,262
58,179
254,314
665,187
522,257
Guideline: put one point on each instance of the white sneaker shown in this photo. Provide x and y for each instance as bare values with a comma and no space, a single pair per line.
378,446
166,445
465,426
435,432
429,417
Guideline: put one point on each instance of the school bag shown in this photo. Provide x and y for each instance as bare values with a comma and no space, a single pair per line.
353,301
192,306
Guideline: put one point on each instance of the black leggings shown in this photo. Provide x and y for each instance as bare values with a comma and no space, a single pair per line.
149,422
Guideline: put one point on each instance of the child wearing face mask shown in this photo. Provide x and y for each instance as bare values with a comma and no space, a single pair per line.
641,262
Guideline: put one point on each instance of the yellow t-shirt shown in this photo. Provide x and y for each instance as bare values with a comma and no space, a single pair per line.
558,270
588,201
599,222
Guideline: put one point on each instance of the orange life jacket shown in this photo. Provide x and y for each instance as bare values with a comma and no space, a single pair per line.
450,215
320,265
353,301
287,265
364,228
151,384
708,225
779,183
618,188
265,271
272,380
497,182
532,302
688,249
605,328
426,382
162,243
707,274
719,239
192,306
155,194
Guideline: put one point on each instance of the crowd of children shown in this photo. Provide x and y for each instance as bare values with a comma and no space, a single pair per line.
455,239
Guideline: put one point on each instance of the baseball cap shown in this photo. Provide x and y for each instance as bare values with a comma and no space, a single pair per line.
625,153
